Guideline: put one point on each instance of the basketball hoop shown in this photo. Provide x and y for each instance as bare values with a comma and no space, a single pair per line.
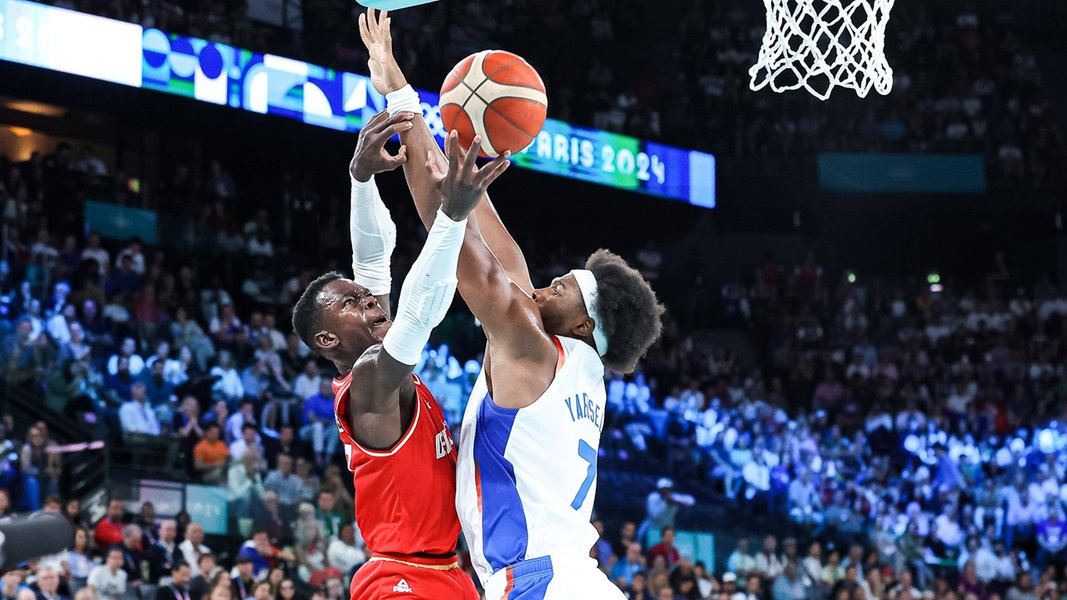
819,44
392,4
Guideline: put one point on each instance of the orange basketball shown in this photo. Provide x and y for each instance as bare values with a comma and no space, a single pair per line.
497,95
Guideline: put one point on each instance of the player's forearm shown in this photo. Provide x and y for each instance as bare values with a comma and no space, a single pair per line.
373,237
421,144
427,291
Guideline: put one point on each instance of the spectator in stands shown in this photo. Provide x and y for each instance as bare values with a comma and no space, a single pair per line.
225,327
285,443
228,386
263,554
1052,540
767,564
108,581
789,585
94,251
117,387
146,520
192,548
137,417
624,569
662,506
273,520
278,413
307,384
132,557
284,483
753,589
319,423
327,514
245,485
242,585
310,550
78,562
236,422
48,584
310,481
220,184
210,456
133,251
665,549
1023,588
200,584
123,281
12,582
178,584
248,440
343,553
164,553
160,392
740,562
109,529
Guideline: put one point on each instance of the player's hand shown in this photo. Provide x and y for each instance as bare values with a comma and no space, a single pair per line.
464,184
385,73
371,156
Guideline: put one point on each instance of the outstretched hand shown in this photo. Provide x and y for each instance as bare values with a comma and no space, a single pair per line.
370,156
385,73
464,184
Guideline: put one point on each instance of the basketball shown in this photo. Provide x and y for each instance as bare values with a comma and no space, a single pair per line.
497,95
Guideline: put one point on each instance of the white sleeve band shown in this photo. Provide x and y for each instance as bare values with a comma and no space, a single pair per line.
373,238
427,291
406,99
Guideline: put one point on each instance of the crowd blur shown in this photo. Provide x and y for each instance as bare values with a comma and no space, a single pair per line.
922,428
965,80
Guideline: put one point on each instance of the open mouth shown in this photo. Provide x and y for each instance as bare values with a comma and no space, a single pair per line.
380,321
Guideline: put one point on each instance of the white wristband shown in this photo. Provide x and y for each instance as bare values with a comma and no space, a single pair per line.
406,99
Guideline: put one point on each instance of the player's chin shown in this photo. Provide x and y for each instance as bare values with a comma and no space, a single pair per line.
379,330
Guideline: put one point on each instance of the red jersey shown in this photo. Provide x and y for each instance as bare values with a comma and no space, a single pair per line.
406,495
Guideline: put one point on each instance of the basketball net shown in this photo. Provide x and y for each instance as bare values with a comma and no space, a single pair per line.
819,44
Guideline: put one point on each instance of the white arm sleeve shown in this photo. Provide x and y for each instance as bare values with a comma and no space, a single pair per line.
373,238
427,291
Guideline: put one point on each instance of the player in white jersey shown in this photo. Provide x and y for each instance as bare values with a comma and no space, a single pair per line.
526,475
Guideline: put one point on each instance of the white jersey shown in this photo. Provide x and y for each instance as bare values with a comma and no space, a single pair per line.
526,478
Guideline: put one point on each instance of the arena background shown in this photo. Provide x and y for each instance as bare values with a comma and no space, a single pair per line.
904,255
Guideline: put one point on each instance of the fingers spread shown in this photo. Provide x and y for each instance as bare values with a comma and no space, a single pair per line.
491,171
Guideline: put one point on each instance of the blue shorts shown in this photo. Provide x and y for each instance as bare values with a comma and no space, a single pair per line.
552,578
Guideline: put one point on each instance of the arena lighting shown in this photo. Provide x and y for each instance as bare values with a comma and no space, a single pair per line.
37,108
851,277
125,53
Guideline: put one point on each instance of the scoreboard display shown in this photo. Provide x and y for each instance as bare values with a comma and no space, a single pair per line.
125,53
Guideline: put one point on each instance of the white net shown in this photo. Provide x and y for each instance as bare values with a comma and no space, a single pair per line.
819,44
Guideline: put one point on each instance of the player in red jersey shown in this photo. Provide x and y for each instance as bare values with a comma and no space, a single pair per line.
396,440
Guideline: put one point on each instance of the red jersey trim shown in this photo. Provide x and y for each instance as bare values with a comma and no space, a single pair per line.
561,356
399,445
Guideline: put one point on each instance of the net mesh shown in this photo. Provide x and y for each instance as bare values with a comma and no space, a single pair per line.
820,44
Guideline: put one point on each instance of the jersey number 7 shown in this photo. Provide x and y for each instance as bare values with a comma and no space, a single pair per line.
588,454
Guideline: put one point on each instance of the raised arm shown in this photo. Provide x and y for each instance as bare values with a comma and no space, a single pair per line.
389,79
373,233
498,296
385,370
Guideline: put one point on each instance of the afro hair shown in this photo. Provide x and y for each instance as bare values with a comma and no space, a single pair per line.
630,315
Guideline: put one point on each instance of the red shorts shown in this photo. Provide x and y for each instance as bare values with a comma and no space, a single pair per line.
388,576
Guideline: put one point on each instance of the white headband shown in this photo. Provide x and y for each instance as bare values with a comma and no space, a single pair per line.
590,294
